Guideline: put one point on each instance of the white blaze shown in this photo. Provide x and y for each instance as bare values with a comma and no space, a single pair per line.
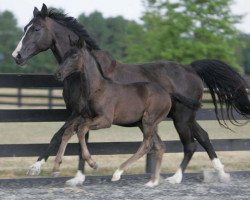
20,44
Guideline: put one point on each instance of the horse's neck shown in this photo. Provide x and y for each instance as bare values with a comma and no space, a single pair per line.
61,42
76,85
93,74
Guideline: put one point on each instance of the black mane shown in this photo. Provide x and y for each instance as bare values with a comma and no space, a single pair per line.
72,24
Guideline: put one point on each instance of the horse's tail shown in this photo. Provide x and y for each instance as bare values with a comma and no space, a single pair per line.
190,103
227,89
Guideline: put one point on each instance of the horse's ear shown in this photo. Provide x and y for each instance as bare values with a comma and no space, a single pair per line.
44,9
35,11
80,43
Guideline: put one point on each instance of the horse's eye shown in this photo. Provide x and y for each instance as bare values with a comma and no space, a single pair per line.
37,28
74,56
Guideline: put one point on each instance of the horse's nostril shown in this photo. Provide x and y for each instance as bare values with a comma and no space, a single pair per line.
18,56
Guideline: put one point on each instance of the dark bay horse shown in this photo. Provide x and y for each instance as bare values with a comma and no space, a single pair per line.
98,102
51,30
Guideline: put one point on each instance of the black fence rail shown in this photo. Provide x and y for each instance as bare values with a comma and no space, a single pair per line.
56,115
50,91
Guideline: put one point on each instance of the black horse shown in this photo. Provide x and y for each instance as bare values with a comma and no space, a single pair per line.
51,30
98,102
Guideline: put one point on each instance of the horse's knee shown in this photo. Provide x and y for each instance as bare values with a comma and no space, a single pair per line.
159,146
148,145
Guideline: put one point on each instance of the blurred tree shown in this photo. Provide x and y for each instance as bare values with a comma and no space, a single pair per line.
243,53
9,36
113,34
184,31
96,26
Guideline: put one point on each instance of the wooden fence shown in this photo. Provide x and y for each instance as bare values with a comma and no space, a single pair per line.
108,148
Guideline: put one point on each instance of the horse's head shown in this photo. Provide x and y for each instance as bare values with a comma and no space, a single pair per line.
49,29
37,37
73,60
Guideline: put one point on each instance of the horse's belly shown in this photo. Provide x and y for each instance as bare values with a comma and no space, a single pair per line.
127,115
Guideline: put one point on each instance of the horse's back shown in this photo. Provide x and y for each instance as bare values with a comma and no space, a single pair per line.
172,76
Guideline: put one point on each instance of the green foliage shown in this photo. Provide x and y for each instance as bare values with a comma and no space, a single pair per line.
113,34
243,53
184,31
9,37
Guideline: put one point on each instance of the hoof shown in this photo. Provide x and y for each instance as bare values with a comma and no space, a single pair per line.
176,178
95,166
77,180
224,177
117,175
35,169
152,183
55,174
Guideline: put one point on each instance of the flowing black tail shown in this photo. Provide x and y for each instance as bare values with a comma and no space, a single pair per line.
227,89
190,103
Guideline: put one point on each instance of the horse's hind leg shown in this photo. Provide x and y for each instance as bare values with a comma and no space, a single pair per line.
145,147
203,138
159,148
182,125
150,120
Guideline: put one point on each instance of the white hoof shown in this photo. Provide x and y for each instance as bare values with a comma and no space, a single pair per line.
117,175
152,183
176,178
55,174
35,169
77,180
224,177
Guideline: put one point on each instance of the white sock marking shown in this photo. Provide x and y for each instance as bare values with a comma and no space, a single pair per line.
20,44
77,180
176,178
35,169
117,175
219,167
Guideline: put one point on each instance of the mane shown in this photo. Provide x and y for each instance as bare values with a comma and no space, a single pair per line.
72,24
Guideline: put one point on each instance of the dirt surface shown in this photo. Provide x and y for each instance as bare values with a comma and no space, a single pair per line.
129,187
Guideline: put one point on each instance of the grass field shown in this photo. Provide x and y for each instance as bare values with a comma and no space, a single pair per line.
23,133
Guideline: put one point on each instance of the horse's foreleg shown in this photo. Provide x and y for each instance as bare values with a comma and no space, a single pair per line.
71,126
35,169
58,160
79,177
85,151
